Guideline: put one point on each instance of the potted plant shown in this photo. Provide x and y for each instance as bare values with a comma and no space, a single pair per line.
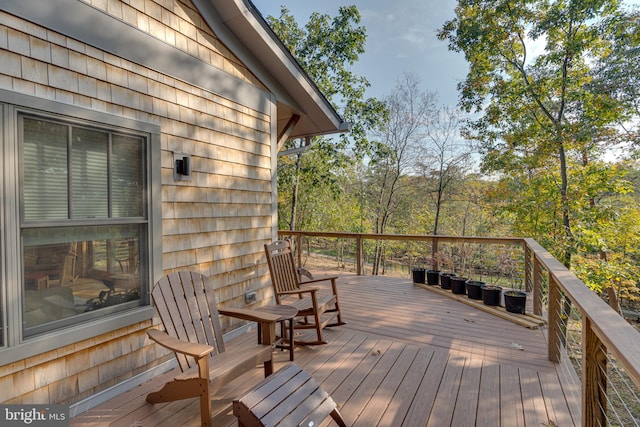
433,277
474,288
515,301
491,295
418,275
458,285
445,280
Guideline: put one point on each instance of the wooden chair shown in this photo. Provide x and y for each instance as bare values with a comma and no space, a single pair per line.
68,270
187,307
324,310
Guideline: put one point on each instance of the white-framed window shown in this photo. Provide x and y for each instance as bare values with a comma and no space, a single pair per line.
81,216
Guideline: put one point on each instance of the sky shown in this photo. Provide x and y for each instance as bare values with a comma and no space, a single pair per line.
401,37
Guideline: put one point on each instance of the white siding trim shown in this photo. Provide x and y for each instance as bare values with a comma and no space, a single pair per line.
274,170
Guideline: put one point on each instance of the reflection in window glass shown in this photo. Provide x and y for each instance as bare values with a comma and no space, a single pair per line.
79,271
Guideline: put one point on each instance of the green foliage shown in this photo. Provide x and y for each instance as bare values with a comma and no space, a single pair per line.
326,48
617,74
317,173
610,257
546,119
544,124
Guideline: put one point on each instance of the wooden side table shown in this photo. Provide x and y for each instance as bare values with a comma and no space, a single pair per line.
286,312
37,281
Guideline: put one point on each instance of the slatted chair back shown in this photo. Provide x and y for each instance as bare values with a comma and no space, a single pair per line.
186,303
68,272
317,307
282,267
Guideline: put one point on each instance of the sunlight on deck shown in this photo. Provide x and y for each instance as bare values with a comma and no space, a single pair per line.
407,357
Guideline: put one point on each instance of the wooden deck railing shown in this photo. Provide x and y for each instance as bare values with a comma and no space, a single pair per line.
604,356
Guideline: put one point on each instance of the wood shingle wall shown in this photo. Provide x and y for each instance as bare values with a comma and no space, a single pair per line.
75,372
215,223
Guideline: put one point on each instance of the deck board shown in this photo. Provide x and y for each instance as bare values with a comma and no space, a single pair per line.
511,411
407,357
380,366
379,402
535,413
556,401
404,398
444,405
426,394
464,412
488,413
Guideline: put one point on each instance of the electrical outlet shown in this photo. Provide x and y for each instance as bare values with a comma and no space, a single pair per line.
250,297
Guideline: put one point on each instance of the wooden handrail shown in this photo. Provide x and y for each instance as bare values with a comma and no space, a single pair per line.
406,237
604,330
608,325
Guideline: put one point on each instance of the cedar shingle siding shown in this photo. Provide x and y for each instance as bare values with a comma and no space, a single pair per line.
215,223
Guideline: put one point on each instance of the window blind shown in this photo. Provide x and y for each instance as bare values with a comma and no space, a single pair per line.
45,170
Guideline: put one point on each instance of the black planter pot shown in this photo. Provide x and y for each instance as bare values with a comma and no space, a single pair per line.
515,302
445,280
419,275
433,277
458,285
491,295
474,289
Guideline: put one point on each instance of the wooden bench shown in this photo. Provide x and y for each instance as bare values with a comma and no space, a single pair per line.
289,397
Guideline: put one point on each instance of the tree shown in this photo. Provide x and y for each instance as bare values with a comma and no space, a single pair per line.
544,125
444,157
327,201
327,48
308,178
538,110
618,74
389,187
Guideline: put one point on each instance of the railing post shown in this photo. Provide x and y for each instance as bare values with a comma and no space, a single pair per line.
359,255
537,287
594,377
299,245
528,282
555,320
434,254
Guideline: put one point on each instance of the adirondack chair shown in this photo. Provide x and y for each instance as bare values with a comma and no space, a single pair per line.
187,307
323,310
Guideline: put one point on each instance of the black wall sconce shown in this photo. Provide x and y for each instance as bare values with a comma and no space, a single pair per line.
181,167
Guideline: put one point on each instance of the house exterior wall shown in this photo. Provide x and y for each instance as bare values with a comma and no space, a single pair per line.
215,223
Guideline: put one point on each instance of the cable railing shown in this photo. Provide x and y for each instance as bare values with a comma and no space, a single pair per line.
596,351
601,346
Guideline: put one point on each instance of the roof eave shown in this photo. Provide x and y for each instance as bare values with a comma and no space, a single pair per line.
250,37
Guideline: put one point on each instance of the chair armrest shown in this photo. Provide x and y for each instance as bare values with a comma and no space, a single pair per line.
333,280
320,279
252,315
192,349
300,291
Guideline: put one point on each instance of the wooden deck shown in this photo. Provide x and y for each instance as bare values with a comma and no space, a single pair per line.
407,357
